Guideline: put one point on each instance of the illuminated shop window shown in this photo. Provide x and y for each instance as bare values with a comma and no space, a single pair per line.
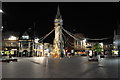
12,38
25,37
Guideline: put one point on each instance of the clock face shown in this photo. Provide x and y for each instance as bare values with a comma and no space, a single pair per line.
58,20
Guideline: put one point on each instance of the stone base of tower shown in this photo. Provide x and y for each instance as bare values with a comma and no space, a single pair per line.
56,53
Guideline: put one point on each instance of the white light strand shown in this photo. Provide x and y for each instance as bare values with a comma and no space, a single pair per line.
67,40
98,39
71,34
47,35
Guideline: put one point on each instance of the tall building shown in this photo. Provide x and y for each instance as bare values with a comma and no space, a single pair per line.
116,40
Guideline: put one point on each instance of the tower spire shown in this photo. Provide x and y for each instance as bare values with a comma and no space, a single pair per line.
58,15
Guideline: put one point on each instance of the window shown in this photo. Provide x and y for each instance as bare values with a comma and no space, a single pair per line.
25,37
25,44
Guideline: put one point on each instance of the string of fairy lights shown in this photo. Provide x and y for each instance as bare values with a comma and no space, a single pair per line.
71,35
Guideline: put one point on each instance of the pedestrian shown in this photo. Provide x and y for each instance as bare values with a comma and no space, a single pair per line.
69,54
95,53
102,55
61,55
90,53
66,53
10,56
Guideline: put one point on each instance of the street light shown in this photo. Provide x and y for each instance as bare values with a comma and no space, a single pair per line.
1,11
12,38
36,40
84,40
36,45
1,28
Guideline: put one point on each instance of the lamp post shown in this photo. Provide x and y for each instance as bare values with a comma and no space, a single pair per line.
41,41
43,48
1,29
36,45
118,47
1,11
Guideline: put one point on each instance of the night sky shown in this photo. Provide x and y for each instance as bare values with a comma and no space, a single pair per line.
95,20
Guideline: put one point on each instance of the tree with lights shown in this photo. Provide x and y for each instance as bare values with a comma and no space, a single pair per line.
97,47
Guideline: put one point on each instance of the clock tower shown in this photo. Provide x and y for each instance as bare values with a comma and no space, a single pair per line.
58,40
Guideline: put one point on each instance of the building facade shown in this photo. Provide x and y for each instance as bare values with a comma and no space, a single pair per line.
10,42
79,44
24,46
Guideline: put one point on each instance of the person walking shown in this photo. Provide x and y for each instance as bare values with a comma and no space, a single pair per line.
10,56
